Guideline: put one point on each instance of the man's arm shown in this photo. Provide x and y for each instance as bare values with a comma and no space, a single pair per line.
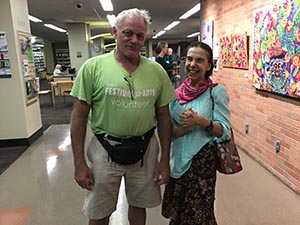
83,175
164,132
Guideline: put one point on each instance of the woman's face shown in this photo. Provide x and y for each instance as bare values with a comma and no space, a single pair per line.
197,65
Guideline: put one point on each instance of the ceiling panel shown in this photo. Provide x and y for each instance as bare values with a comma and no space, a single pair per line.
60,12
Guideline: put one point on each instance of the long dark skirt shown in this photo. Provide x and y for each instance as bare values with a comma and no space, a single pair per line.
189,200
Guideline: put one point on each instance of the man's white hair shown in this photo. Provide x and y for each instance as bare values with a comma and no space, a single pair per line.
130,13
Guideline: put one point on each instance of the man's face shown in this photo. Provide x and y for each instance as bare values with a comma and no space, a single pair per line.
131,37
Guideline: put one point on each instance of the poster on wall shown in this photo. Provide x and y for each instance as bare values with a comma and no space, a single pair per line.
27,61
234,51
5,70
276,48
207,32
216,49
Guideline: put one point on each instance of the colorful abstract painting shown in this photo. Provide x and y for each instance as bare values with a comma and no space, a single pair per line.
234,51
276,50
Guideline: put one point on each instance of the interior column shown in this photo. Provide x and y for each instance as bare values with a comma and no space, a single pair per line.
20,122
79,43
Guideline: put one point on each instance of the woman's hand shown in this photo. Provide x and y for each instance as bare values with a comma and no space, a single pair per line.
189,118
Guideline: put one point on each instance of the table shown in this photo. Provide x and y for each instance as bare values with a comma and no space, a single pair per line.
64,77
53,85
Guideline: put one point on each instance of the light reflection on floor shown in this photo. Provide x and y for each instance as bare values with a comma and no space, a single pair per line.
39,189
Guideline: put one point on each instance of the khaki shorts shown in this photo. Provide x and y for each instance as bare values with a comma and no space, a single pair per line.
140,189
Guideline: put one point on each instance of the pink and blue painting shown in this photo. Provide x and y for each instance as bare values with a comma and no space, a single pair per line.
276,48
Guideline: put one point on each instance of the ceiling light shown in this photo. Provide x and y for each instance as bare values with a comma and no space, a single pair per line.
193,35
110,45
111,20
106,5
99,24
195,9
34,19
51,26
101,35
160,33
171,25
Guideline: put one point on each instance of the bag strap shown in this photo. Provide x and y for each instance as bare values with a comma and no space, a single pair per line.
213,102
213,107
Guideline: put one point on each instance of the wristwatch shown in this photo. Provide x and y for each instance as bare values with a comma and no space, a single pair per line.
210,127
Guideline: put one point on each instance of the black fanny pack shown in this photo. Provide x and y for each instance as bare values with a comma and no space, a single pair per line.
126,151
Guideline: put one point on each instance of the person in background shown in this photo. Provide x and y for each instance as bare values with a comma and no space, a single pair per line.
164,57
189,197
123,96
175,57
57,71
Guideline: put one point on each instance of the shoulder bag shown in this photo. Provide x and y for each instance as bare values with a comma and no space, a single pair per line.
227,157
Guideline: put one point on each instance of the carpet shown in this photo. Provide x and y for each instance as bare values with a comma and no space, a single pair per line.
8,155
60,114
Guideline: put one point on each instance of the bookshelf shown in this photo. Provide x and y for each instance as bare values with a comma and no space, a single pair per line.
62,57
38,54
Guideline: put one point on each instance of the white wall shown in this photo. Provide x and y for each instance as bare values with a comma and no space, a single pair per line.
16,119
78,37
48,51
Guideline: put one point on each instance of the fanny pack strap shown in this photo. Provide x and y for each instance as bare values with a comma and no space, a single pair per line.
104,140
130,139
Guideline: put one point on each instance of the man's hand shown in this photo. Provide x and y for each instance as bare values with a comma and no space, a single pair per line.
84,177
163,173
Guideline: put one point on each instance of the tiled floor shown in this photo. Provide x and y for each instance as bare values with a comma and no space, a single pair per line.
38,189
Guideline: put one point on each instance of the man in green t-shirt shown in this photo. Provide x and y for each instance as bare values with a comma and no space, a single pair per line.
122,96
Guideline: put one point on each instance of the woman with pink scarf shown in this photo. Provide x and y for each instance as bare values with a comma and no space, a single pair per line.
189,197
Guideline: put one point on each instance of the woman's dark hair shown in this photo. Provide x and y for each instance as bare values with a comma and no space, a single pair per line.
209,51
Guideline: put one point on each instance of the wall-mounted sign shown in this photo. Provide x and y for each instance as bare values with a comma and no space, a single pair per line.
5,70
27,60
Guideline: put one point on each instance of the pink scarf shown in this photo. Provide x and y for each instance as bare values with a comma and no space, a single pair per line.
186,93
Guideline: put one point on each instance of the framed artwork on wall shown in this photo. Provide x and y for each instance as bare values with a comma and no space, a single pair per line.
216,50
235,51
216,64
276,48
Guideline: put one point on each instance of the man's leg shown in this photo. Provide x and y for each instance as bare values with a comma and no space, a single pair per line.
99,222
136,216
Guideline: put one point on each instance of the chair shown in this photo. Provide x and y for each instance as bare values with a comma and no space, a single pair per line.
64,88
49,77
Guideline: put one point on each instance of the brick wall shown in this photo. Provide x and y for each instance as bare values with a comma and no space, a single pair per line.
270,117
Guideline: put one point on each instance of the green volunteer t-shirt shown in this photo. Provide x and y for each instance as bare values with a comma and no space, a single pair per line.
122,104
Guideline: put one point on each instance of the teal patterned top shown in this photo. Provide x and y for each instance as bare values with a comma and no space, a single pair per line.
188,145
